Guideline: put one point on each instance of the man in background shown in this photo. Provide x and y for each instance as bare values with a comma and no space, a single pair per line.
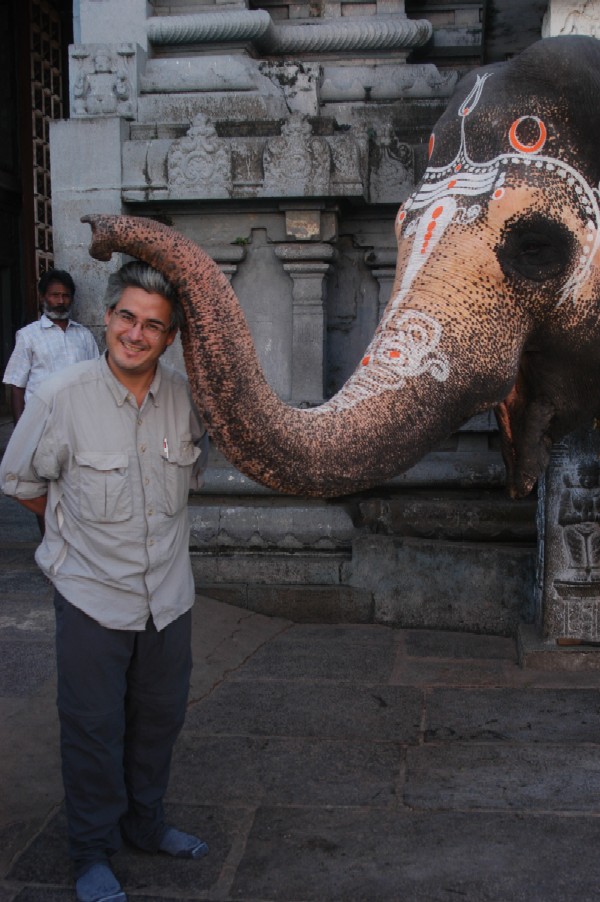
49,344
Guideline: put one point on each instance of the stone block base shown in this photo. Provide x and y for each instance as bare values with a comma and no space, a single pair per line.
536,653
417,584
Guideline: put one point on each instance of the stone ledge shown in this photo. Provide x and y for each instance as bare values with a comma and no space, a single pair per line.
536,653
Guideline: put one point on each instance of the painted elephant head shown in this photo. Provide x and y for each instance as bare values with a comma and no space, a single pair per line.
496,300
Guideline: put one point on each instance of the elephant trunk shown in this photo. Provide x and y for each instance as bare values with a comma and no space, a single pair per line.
404,398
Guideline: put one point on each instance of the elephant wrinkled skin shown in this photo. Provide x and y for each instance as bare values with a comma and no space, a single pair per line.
496,298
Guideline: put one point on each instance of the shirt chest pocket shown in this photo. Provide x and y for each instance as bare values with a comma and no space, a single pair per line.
176,475
104,486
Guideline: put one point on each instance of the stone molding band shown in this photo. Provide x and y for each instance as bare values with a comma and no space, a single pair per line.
240,25
367,33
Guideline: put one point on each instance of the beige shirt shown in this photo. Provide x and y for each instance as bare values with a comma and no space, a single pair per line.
117,479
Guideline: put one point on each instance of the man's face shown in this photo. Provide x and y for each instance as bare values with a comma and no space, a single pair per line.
57,301
137,332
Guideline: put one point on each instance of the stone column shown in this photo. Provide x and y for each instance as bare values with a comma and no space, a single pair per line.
306,265
383,267
85,181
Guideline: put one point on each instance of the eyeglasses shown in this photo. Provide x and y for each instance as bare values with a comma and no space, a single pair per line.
150,328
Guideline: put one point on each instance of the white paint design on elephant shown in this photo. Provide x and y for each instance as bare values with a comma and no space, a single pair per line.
405,347
466,178
406,341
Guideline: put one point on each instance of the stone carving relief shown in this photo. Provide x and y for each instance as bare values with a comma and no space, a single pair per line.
103,79
199,164
297,163
391,170
579,517
585,20
569,528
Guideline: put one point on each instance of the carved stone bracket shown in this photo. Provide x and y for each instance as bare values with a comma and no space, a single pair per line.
228,257
103,80
306,265
199,165
569,540
297,163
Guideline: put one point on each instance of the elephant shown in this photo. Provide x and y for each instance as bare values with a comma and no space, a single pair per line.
495,302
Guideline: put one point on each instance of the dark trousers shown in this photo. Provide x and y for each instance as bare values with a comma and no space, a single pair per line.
122,697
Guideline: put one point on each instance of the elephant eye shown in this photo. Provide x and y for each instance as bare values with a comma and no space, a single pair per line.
536,248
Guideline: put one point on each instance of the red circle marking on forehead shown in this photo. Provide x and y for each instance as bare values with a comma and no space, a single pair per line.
535,145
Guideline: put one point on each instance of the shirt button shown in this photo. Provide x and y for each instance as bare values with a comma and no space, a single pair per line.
142,448
146,480
150,541
140,421
150,511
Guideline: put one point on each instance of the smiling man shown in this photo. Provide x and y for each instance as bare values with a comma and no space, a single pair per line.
107,451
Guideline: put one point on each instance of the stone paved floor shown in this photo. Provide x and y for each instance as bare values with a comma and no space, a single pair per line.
322,763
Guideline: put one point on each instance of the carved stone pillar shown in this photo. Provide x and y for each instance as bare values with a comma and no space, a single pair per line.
306,265
383,267
568,584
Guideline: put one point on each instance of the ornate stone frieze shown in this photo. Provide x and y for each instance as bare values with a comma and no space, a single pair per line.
103,80
296,163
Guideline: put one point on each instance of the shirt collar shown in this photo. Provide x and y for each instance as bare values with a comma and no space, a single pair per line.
120,392
47,323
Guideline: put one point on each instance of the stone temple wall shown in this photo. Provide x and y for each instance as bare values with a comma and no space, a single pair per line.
282,138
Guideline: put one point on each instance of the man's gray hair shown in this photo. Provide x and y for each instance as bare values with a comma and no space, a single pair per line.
140,275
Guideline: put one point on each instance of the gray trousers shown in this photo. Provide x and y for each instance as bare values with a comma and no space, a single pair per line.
122,697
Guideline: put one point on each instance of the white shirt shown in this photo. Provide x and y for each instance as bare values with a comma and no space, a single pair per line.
43,348
117,478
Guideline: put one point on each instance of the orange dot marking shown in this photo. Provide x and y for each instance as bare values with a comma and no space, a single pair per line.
437,212
366,360
431,143
395,354
452,183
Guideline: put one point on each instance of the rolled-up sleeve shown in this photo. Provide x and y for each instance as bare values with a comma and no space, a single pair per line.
19,475
18,367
